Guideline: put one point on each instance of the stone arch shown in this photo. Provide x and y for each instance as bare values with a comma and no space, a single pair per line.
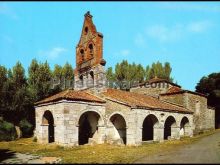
48,120
184,126
169,124
118,124
89,122
148,126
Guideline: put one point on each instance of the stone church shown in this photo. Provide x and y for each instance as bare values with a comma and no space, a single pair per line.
92,113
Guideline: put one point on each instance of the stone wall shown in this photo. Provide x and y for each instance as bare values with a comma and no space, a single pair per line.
203,117
41,130
67,115
153,89
176,99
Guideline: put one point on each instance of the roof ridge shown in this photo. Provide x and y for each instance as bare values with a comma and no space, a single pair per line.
94,95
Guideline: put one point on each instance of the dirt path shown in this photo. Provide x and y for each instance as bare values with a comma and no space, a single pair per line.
205,150
10,157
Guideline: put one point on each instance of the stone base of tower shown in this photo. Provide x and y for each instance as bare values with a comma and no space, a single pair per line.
93,79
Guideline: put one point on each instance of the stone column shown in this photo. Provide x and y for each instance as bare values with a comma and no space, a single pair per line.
188,131
99,136
175,132
159,133
44,133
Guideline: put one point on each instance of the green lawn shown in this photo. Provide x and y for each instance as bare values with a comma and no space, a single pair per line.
103,153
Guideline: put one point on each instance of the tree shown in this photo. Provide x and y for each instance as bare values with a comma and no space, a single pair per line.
210,85
3,78
110,77
17,98
39,80
160,71
57,72
67,72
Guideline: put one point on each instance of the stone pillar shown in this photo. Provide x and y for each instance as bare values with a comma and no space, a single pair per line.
44,133
188,131
99,136
175,132
159,133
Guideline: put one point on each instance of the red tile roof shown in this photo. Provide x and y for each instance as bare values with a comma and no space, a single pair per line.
174,89
71,95
156,80
142,101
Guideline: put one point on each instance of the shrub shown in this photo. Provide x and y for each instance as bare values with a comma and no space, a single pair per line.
26,128
34,139
7,131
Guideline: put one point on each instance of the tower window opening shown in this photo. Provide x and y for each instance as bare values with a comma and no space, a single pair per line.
86,30
82,53
91,49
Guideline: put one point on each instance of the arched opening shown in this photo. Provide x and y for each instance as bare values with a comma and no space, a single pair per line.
88,125
120,125
183,126
82,54
81,80
169,123
91,49
92,78
148,127
86,30
48,120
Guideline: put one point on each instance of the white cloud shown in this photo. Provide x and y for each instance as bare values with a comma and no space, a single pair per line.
164,33
53,53
183,6
139,40
199,27
7,39
8,11
124,52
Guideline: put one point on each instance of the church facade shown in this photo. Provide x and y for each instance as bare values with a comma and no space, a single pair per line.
92,113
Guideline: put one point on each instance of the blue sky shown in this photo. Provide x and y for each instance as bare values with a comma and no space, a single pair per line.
186,34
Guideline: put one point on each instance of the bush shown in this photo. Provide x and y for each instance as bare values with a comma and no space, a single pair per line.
34,139
26,128
7,131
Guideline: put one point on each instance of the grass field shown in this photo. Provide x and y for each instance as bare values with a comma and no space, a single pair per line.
103,153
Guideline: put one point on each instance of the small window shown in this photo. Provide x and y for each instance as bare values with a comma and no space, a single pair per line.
197,107
86,30
91,49
82,53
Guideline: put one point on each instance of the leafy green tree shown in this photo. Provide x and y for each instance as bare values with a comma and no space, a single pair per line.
67,71
110,77
210,85
17,98
160,71
3,78
57,72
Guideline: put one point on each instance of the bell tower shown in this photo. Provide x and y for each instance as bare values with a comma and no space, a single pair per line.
90,71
